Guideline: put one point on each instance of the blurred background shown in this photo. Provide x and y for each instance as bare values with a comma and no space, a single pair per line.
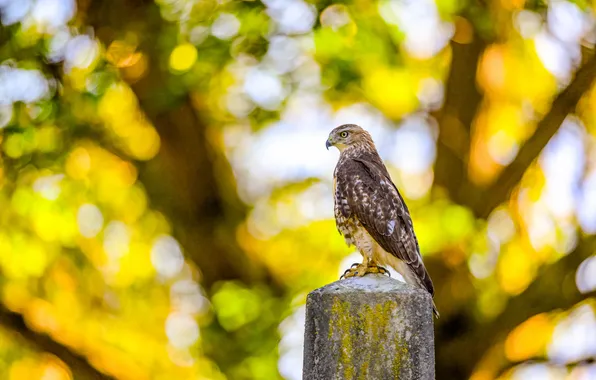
165,192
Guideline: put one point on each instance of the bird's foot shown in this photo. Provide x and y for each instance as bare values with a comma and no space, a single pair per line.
377,269
360,270
351,272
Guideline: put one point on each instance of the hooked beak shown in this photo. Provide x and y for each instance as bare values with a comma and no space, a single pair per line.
328,144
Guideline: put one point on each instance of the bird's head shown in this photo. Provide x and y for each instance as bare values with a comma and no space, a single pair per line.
348,135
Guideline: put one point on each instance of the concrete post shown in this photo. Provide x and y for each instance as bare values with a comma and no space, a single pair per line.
370,327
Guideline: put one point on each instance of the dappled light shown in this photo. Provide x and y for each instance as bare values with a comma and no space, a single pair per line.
166,198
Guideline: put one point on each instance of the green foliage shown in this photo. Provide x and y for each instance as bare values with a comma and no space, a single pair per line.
165,207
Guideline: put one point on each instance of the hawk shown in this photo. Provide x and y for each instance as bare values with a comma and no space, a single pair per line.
370,212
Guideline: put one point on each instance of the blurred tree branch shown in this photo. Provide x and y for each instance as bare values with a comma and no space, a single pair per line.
462,100
554,287
563,105
189,179
79,365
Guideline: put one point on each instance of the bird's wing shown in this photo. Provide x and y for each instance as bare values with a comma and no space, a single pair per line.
375,201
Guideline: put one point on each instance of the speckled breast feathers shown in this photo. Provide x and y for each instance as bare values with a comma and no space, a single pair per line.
371,214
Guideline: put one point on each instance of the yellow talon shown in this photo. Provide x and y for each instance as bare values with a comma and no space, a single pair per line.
363,269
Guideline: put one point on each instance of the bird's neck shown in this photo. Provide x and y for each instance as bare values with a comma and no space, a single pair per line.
357,150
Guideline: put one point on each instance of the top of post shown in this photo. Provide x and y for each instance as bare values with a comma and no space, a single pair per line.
371,283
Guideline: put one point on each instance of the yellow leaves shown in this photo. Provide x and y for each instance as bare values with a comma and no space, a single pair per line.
458,222
55,370
44,211
121,252
464,31
299,256
47,368
530,339
153,223
391,90
183,57
137,70
137,264
77,305
42,316
492,66
516,268
145,144
136,203
93,252
120,111
117,101
62,277
494,142
512,4
22,256
516,73
19,144
500,129
106,171
123,54
47,138
533,183
110,359
33,257
14,294
482,375
77,78
67,300
78,163
133,266
48,222
123,173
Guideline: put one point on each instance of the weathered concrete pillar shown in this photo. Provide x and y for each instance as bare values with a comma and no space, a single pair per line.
371,327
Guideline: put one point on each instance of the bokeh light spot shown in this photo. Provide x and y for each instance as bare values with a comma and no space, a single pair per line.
574,337
166,256
81,52
89,220
236,306
51,14
78,163
585,277
529,339
182,330
49,186
116,239
225,26
335,16
187,297
183,57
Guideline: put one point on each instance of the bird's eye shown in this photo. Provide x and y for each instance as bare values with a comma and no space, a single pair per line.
344,134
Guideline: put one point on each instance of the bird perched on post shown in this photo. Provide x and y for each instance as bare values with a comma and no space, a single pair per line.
370,212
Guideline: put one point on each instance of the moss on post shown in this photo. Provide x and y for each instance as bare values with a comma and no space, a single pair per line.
372,327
